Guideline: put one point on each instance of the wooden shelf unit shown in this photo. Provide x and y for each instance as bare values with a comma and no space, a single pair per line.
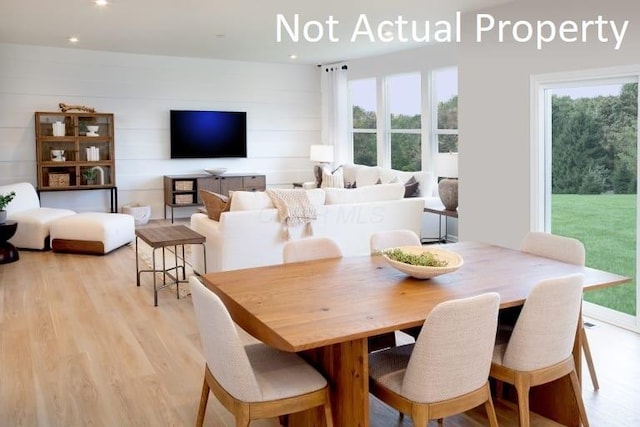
182,190
70,172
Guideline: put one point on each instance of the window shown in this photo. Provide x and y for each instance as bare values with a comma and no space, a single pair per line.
445,88
404,108
364,129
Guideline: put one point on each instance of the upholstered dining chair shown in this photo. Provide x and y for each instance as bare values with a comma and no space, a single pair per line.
310,248
571,251
539,349
382,240
251,381
446,371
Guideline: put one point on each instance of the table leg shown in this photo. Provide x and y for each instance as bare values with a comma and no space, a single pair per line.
137,265
346,365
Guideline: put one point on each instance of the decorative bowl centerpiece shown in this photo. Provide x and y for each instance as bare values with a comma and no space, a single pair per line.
92,130
422,262
216,171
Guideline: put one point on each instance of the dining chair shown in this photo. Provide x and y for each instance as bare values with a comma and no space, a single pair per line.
446,371
571,251
378,242
251,381
310,248
382,240
539,349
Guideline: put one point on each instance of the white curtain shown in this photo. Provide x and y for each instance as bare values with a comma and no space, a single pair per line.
335,112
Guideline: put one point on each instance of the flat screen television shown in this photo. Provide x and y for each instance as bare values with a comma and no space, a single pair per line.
208,134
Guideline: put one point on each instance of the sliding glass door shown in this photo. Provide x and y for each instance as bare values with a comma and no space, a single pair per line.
589,173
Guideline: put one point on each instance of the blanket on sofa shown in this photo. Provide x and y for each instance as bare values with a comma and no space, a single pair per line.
294,209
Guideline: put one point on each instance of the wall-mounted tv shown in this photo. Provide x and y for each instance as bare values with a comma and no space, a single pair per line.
208,134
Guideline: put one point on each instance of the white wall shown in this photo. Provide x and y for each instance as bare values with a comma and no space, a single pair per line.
494,101
282,103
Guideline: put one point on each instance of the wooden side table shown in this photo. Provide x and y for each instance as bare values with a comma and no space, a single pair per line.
8,252
160,238
447,214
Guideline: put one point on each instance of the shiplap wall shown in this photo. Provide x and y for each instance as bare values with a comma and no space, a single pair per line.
282,102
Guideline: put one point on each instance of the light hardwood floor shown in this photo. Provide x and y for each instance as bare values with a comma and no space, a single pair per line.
80,345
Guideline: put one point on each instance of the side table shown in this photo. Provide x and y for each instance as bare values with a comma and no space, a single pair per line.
8,252
160,238
447,214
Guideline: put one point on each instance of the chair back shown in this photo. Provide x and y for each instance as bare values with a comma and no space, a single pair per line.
452,355
545,331
26,197
223,350
565,249
382,240
309,249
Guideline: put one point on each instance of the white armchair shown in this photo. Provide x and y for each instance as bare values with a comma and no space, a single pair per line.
33,220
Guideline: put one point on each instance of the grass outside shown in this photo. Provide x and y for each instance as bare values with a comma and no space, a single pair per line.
606,224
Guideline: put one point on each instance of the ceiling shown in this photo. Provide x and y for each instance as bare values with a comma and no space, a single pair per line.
226,29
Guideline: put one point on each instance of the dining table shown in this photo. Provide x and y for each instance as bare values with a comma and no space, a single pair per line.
326,310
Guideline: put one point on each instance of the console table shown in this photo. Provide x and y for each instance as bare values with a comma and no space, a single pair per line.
447,214
183,190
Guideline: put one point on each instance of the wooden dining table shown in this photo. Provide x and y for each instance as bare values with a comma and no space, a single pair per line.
326,310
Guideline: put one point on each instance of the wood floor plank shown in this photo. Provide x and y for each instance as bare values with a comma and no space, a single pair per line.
81,344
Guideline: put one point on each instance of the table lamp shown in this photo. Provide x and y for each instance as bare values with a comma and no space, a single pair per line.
447,170
322,154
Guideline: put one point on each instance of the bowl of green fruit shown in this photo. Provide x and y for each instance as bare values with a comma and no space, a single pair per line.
422,262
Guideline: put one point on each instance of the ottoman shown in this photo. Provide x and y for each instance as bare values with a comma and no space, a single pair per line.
94,233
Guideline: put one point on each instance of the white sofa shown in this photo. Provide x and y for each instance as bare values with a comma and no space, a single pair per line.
33,220
251,234
364,176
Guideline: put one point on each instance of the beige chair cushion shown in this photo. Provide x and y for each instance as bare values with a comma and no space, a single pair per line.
393,238
309,249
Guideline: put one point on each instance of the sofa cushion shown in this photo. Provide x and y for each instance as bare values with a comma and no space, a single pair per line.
250,200
425,182
411,187
349,171
214,204
368,175
372,193
332,179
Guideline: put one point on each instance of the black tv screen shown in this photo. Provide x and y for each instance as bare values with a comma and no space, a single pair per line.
207,134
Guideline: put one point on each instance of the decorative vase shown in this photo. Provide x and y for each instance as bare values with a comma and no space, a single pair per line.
448,190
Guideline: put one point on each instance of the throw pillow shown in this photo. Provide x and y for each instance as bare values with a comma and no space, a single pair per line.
214,203
332,179
411,187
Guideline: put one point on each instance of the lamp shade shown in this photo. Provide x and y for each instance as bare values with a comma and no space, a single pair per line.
321,153
447,165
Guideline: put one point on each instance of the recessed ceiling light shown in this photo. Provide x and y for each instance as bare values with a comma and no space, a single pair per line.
101,2
293,56
73,39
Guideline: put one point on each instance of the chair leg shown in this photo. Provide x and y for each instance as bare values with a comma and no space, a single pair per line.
522,388
577,392
328,416
204,398
587,356
491,410
242,416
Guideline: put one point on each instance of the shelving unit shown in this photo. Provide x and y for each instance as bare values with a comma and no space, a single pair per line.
67,152
182,190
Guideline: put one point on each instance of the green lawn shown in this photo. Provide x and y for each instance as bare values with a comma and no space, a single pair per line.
606,224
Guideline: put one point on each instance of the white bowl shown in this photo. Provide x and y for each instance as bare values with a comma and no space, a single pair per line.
216,171
93,129
454,262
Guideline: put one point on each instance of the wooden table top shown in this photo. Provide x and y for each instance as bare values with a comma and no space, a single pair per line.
171,235
313,304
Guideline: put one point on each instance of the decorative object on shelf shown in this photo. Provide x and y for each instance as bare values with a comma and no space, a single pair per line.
216,171
93,154
59,179
447,261
100,175
89,176
92,130
57,155
5,199
447,170
58,129
322,154
66,107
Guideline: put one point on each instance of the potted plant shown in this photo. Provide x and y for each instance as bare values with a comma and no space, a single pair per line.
4,201
89,176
